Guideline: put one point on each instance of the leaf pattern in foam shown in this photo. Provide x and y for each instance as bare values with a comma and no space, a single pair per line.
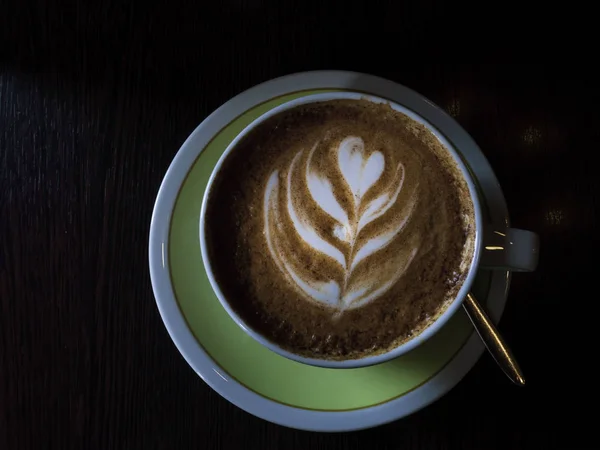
304,229
379,242
361,296
327,293
321,191
360,174
381,204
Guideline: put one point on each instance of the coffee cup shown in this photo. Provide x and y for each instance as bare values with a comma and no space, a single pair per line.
486,247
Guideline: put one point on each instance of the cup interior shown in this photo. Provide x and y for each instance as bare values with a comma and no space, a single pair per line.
430,330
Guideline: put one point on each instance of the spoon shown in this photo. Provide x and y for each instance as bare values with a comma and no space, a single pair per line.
493,340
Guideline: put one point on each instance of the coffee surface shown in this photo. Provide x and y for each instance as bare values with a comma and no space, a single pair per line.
339,229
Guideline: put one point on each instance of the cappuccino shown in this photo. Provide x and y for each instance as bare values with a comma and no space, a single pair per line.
339,229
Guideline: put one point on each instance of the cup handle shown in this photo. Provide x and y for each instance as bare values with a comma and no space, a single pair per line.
510,249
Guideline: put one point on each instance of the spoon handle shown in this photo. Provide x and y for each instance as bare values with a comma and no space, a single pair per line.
493,340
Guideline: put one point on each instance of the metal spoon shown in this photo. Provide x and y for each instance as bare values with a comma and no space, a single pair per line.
493,340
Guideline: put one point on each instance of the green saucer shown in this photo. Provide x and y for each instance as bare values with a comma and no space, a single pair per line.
258,369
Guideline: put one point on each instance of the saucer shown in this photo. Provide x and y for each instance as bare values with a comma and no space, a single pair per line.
235,365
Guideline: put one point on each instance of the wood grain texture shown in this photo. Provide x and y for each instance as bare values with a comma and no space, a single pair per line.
96,99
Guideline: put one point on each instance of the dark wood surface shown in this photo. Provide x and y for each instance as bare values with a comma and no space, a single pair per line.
95,100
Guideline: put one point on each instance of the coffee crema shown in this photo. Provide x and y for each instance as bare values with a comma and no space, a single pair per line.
339,229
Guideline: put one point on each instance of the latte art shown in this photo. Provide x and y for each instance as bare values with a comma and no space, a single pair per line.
346,243
339,229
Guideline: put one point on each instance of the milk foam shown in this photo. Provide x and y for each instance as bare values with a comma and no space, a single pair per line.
359,173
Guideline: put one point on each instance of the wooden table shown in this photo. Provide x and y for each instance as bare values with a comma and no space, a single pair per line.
94,103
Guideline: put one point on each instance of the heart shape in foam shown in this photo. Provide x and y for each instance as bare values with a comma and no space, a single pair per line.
359,171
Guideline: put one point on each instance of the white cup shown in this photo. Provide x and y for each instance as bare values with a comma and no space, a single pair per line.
506,249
